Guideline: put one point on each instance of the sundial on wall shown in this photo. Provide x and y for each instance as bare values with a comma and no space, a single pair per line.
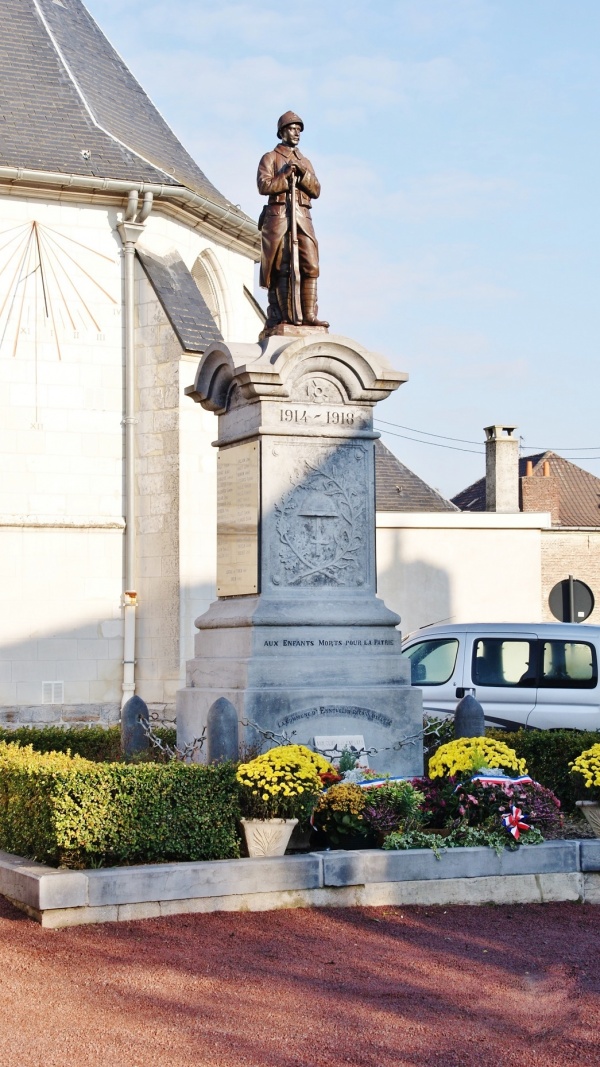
49,289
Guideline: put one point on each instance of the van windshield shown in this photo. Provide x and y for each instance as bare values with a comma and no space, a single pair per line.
432,662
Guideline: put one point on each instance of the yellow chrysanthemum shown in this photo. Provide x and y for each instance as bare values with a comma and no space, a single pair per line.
287,772
588,765
469,754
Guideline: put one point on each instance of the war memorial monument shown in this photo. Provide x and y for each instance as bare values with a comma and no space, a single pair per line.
297,643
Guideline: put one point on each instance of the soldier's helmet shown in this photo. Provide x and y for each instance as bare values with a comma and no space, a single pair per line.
287,120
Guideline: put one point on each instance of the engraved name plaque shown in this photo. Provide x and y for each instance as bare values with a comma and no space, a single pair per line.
237,520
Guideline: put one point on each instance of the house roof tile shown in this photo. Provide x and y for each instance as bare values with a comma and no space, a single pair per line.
398,489
578,490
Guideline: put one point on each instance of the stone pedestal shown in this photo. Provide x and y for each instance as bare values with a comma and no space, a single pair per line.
298,642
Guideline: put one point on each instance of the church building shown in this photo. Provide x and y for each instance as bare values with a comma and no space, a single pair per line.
119,263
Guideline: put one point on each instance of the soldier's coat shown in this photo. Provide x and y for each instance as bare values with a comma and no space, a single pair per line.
274,184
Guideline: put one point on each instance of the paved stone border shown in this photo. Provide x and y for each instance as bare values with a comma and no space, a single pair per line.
553,871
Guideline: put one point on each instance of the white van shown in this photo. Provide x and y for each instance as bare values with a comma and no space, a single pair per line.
543,675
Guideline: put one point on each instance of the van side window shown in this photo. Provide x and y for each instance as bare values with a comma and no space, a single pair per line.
432,662
568,665
500,661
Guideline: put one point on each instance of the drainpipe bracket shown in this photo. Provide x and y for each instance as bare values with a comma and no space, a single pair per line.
130,232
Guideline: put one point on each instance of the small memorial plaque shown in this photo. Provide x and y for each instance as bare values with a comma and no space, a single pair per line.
237,520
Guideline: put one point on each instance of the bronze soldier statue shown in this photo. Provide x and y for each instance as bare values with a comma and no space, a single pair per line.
289,265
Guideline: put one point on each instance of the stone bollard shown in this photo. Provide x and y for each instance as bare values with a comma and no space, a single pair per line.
222,731
469,720
133,738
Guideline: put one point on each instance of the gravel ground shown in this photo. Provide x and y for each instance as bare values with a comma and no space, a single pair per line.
376,987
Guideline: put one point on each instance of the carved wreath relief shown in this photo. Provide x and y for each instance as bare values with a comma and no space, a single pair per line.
321,521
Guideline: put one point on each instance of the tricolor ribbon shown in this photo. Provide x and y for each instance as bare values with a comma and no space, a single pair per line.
514,822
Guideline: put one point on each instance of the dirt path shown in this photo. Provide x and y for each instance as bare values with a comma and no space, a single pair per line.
381,987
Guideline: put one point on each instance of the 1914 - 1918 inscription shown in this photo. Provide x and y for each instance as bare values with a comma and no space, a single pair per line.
237,520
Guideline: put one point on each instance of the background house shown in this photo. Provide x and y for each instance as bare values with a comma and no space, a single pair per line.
496,551
545,482
436,563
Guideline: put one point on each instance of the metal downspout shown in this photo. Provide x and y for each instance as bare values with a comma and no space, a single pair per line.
130,230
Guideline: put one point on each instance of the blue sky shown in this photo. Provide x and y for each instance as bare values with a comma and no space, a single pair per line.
457,146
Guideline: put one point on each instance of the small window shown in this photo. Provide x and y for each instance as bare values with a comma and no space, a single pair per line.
497,661
208,288
432,662
568,665
53,693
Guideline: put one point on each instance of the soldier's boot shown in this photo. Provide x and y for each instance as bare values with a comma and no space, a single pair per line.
283,297
308,293
273,310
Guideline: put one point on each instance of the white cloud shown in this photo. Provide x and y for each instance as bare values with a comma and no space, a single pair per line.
443,195
364,284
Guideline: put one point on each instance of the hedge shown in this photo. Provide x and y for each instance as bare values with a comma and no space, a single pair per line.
548,753
97,743
71,812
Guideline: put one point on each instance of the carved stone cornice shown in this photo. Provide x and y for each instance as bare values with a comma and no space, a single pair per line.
276,367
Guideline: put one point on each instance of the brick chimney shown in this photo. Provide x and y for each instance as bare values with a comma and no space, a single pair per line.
501,469
539,491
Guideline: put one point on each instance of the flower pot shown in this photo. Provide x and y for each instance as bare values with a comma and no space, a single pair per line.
591,810
267,837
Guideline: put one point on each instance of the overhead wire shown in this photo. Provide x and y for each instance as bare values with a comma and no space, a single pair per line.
435,444
467,441
444,437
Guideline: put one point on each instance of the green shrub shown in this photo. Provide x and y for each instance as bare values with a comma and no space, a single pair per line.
547,754
97,743
72,812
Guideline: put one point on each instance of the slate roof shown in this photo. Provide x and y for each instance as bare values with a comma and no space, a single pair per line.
398,489
578,490
183,303
64,90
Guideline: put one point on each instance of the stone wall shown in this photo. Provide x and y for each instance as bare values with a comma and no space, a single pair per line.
566,552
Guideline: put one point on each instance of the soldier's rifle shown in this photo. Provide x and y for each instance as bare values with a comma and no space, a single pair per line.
296,301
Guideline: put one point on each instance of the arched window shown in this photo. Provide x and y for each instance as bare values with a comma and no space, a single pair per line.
208,286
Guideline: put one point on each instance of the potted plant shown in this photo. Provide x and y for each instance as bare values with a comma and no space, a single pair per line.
468,755
278,789
339,820
395,805
586,770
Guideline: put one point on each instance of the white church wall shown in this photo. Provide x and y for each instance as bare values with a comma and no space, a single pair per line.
197,512
60,623
61,462
61,523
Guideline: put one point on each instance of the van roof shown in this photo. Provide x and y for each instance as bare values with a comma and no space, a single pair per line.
542,629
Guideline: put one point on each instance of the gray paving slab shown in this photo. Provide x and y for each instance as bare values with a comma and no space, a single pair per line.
374,865
176,881
590,854
39,886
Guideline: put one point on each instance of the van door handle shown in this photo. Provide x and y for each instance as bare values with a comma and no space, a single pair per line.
460,692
